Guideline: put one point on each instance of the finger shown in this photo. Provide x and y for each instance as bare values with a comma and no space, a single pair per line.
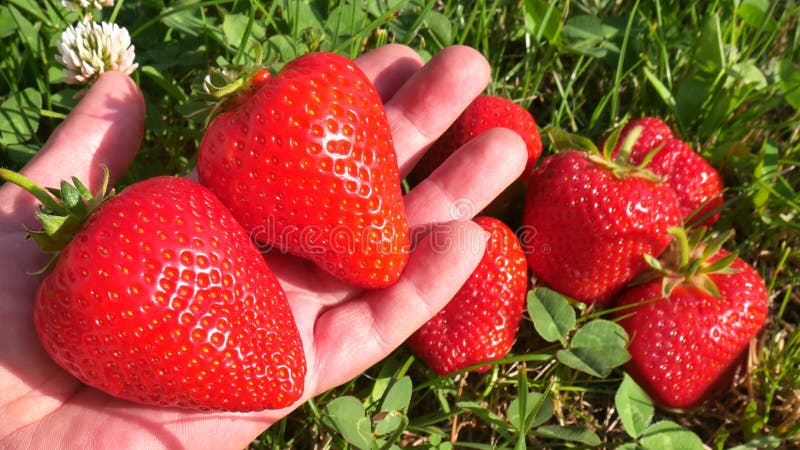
389,67
356,334
105,128
491,162
432,99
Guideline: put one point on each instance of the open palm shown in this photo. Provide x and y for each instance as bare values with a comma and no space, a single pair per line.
344,330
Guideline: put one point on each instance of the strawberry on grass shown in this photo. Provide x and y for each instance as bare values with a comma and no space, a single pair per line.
691,320
480,323
158,296
696,183
484,113
305,162
589,220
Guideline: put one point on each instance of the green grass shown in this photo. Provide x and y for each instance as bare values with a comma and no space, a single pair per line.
725,74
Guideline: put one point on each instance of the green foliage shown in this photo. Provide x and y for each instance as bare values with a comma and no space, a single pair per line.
596,348
348,416
724,73
569,433
634,407
19,116
530,410
667,435
553,317
378,421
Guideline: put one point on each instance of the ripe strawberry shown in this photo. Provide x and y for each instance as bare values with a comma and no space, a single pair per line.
686,341
479,324
161,298
484,113
696,183
306,163
587,225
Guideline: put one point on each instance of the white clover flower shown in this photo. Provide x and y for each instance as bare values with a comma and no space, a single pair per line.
89,49
82,5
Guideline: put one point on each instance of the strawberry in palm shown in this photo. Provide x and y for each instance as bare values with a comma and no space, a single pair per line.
692,322
479,324
160,297
589,221
305,162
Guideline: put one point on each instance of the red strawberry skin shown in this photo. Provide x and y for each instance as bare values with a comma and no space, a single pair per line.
162,299
696,183
480,323
484,113
683,344
585,231
308,166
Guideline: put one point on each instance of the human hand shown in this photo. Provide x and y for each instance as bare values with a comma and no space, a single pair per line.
345,330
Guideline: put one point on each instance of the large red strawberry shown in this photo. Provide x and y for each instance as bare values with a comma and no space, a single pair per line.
484,113
588,224
305,162
161,298
684,343
479,324
696,183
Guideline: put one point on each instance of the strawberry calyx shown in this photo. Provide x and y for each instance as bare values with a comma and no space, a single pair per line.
618,165
229,86
688,261
62,211
234,81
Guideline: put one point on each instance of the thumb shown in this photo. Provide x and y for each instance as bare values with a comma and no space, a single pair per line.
105,128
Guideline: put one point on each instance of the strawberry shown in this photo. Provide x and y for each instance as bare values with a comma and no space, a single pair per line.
161,298
696,183
305,161
588,224
480,322
686,341
484,113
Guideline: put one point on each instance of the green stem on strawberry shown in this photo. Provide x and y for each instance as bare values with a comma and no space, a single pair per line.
220,84
684,247
611,142
627,145
62,210
563,140
230,85
687,260
30,186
